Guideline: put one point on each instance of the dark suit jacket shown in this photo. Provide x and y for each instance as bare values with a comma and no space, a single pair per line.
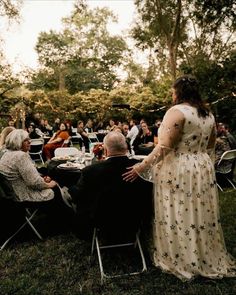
104,199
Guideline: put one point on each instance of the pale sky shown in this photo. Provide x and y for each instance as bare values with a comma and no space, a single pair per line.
43,15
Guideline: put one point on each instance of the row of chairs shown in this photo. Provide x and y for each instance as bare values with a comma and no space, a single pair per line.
36,151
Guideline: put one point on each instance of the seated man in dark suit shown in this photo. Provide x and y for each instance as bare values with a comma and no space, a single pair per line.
103,197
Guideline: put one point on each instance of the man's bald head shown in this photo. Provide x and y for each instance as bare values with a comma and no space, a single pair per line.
115,144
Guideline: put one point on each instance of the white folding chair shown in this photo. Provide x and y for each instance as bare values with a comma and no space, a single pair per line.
92,137
76,137
67,142
36,149
225,167
9,204
117,222
131,243
28,217
66,151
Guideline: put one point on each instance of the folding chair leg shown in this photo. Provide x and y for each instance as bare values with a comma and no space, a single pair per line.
100,262
11,237
28,221
93,243
141,253
220,187
31,225
103,274
41,158
231,182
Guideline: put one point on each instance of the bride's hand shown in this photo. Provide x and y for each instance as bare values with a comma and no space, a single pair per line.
131,175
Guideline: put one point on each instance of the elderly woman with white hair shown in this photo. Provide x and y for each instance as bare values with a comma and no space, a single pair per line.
17,166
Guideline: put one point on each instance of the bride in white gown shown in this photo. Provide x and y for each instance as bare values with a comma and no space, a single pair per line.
187,235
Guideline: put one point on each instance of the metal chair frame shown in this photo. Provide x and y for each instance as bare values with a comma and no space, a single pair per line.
67,142
28,217
76,137
104,275
37,142
228,155
92,137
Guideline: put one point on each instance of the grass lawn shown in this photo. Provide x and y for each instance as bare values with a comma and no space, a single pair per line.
60,265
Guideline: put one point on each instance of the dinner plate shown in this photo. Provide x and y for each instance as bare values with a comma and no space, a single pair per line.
71,166
65,158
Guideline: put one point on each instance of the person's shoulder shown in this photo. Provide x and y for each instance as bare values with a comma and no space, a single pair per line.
94,167
17,155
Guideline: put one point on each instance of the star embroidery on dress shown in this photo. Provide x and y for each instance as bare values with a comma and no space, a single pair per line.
193,226
187,232
202,227
188,194
177,186
172,227
169,181
187,142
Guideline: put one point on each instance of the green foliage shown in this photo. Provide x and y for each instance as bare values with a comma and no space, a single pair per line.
217,78
10,8
83,56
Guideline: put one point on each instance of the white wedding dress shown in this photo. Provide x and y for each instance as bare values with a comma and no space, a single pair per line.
187,235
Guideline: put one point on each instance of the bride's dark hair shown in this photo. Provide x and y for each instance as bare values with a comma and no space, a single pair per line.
187,90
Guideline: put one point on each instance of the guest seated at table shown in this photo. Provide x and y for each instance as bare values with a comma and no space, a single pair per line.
89,126
55,141
3,136
33,132
144,141
69,127
155,130
100,126
84,134
222,142
30,188
105,178
45,127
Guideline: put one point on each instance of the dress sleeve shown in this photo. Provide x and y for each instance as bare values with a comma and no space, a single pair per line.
29,173
211,145
170,134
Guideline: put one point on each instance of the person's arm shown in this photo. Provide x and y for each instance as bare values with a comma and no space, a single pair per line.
30,175
169,136
52,138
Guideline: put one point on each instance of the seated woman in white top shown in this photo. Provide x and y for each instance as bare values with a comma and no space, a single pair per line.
17,166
